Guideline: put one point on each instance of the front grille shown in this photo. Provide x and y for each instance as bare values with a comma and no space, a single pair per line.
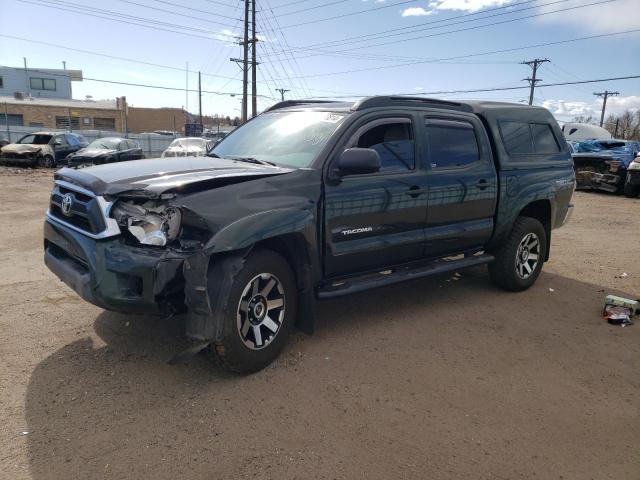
86,212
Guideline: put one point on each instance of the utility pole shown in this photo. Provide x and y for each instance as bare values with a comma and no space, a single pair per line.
186,91
245,62
254,87
606,94
282,92
200,97
533,80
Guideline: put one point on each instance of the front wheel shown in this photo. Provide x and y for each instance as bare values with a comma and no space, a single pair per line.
45,161
258,313
519,260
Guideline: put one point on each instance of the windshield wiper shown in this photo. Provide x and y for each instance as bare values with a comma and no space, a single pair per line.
254,160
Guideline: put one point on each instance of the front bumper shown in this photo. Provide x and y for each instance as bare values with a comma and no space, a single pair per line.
113,275
608,182
19,160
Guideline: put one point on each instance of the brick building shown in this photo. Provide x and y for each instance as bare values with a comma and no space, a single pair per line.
49,113
140,119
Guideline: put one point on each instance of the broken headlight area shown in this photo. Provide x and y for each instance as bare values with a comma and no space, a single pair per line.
150,223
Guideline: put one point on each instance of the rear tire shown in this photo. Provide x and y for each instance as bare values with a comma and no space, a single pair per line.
258,314
519,260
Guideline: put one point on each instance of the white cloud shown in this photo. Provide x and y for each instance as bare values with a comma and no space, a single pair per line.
614,17
227,36
466,5
415,12
615,105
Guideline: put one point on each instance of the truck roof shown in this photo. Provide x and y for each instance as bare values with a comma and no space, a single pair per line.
471,106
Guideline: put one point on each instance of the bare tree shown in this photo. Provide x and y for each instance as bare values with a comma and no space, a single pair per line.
625,126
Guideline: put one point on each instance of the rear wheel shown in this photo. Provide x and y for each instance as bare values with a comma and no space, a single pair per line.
258,313
519,260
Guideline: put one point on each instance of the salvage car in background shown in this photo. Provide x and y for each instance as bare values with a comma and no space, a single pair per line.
603,164
106,150
188,147
42,149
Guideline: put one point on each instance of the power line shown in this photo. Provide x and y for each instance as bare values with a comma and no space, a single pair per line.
145,85
470,55
108,15
497,89
323,5
115,57
476,27
130,2
348,40
369,10
352,40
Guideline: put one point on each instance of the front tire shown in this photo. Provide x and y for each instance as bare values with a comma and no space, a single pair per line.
519,260
258,313
45,161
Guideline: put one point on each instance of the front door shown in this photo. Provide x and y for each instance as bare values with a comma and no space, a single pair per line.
378,219
462,184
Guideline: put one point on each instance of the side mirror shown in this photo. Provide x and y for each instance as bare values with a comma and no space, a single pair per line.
358,161
57,143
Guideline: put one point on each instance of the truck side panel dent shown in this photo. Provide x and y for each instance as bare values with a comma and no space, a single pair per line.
207,307
223,258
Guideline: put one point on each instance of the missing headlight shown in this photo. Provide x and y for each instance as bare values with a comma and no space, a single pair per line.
151,223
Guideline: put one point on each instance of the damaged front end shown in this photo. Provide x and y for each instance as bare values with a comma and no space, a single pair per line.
120,254
599,172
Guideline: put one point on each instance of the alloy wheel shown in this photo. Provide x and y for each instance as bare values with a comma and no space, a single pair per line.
528,255
261,311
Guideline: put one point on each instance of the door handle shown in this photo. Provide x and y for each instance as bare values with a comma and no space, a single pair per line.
482,184
415,191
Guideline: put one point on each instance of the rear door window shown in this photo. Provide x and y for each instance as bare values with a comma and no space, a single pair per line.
452,143
543,138
517,137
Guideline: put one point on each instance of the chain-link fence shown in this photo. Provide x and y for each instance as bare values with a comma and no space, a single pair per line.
152,144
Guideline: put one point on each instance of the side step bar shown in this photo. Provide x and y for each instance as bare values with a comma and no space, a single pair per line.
349,285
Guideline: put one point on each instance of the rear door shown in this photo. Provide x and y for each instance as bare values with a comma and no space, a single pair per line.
378,219
462,183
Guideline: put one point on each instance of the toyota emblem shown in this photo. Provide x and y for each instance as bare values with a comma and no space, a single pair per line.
67,203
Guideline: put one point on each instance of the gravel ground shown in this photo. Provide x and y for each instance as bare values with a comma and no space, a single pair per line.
441,378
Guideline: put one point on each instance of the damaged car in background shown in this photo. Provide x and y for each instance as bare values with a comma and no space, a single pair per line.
188,147
106,150
603,164
42,149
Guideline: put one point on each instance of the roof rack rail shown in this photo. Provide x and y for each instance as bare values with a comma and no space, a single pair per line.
293,103
394,100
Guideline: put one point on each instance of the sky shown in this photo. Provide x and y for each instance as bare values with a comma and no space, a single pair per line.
333,48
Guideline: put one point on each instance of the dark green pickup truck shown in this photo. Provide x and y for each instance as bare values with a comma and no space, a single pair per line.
312,200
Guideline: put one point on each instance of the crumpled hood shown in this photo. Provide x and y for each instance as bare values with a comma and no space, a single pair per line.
25,148
154,176
93,152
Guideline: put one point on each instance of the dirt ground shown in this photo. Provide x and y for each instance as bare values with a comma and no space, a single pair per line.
433,379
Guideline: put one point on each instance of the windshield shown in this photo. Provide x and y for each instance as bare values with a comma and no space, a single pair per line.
189,142
35,139
291,139
105,144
